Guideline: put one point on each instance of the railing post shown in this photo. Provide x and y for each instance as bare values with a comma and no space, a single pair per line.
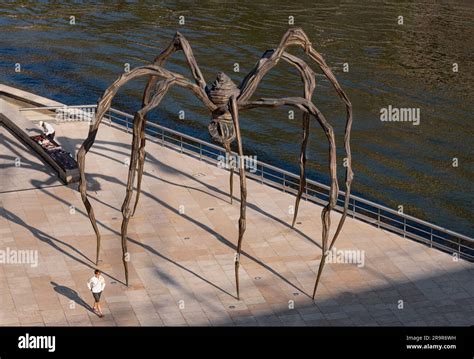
431,237
284,183
200,151
378,217
353,207
162,138
261,178
459,248
404,227
181,143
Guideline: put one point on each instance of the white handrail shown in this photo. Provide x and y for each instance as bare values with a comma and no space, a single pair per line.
49,108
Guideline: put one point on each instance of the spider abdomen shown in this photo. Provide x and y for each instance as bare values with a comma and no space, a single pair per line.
221,127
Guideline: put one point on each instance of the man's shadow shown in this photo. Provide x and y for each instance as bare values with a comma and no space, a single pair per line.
71,294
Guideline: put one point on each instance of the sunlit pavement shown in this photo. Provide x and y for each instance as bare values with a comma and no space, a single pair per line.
182,243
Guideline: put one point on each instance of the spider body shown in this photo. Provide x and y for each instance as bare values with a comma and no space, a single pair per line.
221,127
224,100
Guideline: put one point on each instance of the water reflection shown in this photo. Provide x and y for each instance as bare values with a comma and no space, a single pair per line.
407,65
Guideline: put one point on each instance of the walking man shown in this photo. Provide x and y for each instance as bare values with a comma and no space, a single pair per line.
97,284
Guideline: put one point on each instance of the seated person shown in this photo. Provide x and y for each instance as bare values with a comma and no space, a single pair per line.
48,130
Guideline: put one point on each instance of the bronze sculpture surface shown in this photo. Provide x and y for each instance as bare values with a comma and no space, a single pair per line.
224,100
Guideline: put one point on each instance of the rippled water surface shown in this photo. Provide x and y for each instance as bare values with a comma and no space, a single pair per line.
409,65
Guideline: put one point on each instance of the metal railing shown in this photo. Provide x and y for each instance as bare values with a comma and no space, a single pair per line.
370,212
362,209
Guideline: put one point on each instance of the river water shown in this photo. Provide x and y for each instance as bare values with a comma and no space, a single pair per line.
409,65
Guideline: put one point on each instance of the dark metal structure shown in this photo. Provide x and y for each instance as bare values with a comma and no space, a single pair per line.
224,100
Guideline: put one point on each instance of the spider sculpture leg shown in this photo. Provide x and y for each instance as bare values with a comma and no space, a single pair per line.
137,123
243,189
309,81
140,163
309,107
136,154
297,37
302,185
178,43
104,105
231,177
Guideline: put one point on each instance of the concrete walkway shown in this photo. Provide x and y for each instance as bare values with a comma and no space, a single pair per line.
182,244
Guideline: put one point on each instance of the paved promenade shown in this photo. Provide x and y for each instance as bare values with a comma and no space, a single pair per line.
182,244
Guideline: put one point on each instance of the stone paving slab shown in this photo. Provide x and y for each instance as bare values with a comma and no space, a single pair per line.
181,268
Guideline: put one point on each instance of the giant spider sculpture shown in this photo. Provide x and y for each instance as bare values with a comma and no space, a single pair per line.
224,100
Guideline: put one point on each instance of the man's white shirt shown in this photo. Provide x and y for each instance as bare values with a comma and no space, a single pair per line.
95,284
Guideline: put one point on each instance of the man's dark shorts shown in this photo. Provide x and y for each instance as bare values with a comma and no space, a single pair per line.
97,296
